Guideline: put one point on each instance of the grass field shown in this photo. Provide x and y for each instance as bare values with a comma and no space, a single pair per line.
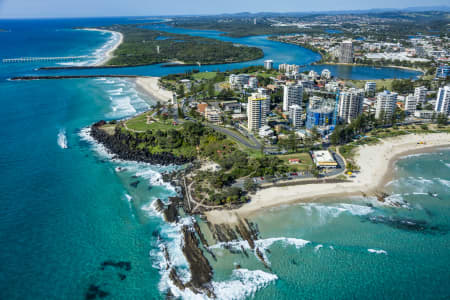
139,123
382,84
204,75
305,160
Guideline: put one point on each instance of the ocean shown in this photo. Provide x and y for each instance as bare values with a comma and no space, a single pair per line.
71,223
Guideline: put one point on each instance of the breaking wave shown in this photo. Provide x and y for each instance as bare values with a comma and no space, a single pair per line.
62,139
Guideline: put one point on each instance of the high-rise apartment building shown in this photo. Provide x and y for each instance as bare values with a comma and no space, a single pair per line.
370,87
346,52
268,64
421,94
295,116
256,111
410,103
443,100
292,94
350,104
385,104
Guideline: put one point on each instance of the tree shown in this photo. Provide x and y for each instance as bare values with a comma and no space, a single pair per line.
180,90
211,90
442,119
249,185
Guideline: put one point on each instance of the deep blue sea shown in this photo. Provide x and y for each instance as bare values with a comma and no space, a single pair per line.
65,210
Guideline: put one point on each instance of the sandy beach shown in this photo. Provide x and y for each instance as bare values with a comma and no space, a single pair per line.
150,86
376,163
109,53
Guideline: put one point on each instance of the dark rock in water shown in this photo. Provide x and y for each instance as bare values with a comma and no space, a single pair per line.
122,276
155,233
95,292
201,270
238,267
159,205
261,258
134,183
176,280
171,213
134,177
124,265
149,188
169,295
293,262
406,224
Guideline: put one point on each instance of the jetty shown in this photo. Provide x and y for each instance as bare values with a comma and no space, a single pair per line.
43,59
72,77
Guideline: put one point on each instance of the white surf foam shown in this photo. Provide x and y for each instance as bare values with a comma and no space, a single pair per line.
62,139
443,181
242,284
380,251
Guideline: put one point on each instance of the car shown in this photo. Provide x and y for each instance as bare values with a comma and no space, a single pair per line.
294,174
262,178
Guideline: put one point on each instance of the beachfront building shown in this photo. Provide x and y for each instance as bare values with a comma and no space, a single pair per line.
320,112
324,159
370,87
425,114
292,94
421,94
295,116
385,105
410,104
443,100
268,64
443,71
256,111
346,52
350,104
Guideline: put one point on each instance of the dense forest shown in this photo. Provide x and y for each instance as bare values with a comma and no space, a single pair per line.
143,46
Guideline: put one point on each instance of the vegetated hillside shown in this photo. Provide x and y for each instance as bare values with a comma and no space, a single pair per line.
140,47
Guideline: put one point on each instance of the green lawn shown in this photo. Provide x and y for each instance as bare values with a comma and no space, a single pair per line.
204,75
139,123
305,158
385,84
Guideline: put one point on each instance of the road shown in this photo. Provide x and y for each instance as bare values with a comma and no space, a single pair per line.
255,146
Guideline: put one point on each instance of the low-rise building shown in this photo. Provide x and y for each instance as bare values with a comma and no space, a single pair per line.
324,159
424,114
213,115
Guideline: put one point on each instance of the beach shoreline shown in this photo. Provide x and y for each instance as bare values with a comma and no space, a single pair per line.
377,164
150,87
110,52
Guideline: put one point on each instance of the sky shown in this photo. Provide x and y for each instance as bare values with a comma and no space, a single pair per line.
100,8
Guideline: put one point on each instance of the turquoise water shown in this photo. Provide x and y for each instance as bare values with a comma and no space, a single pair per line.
65,210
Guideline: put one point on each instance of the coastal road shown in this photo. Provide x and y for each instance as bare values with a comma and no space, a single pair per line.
255,146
